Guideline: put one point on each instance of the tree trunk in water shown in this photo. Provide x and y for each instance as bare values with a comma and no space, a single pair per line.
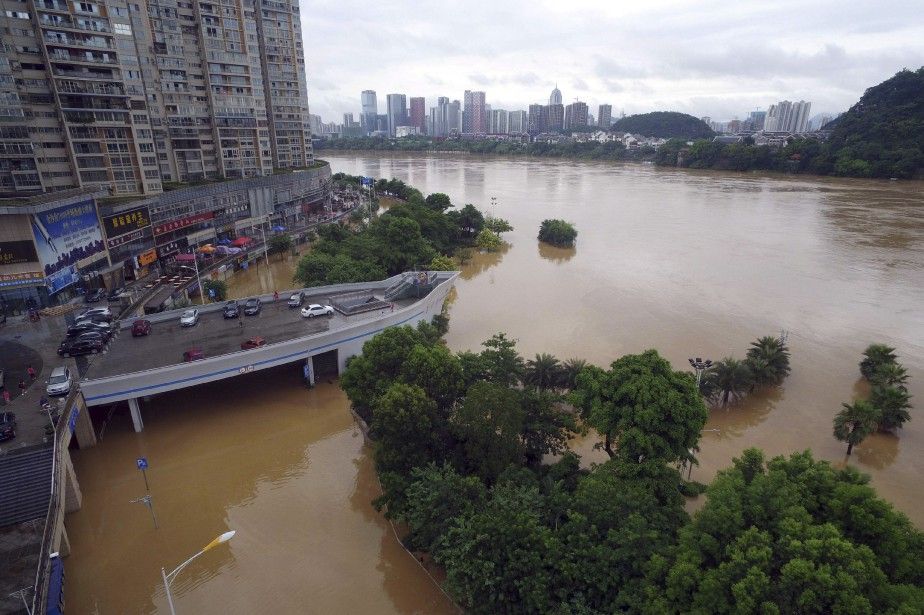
849,448
725,399
607,446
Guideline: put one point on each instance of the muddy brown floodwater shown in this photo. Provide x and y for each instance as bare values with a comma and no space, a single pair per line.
692,264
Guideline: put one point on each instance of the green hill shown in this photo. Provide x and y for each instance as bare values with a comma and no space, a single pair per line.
665,124
883,134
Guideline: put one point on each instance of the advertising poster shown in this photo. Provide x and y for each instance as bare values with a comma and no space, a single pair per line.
15,252
64,236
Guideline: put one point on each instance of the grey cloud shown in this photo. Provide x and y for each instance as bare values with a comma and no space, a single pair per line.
605,68
579,84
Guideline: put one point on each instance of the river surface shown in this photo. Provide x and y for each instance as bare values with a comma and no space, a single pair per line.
689,263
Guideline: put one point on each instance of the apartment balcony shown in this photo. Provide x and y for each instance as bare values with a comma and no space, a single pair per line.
87,88
84,74
14,150
82,59
72,41
52,5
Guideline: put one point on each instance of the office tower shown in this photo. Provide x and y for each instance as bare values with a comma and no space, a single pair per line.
132,95
396,111
454,118
487,119
314,122
800,115
440,117
474,120
555,96
418,114
575,115
604,116
370,111
499,122
533,116
347,119
556,117
517,122
756,120
381,123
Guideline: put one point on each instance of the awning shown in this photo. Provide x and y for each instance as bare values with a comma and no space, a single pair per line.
55,587
278,229
207,249
185,258
241,241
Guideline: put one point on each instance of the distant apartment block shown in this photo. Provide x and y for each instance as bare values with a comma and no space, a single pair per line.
604,116
125,96
418,114
396,111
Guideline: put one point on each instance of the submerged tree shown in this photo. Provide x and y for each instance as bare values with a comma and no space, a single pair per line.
854,422
729,378
768,360
893,403
558,233
544,372
875,356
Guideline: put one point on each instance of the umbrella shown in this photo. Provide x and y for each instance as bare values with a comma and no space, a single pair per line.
278,229
224,241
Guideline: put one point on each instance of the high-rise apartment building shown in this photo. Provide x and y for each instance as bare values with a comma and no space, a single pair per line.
538,119
556,115
575,115
786,116
517,122
604,116
396,111
439,118
474,117
370,111
498,123
419,114
124,96
454,118
756,120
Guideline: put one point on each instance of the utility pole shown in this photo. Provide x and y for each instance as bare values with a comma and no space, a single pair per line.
700,366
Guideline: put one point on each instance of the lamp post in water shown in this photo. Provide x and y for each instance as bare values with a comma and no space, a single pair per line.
700,366
169,577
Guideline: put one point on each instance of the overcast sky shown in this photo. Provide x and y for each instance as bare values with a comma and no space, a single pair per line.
717,58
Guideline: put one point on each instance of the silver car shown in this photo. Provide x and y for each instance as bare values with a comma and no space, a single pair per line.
59,383
189,318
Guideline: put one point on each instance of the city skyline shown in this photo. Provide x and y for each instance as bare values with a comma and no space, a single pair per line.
668,57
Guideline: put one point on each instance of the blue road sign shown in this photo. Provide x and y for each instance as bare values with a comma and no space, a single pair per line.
142,463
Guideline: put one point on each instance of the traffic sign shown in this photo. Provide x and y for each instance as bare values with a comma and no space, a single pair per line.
142,463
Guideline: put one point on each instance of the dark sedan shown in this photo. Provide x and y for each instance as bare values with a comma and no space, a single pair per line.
73,347
7,426
77,330
114,295
232,310
252,307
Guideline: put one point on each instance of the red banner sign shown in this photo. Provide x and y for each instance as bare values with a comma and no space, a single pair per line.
166,227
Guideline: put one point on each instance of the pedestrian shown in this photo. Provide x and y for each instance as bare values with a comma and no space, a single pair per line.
31,371
240,322
6,397
22,386
275,296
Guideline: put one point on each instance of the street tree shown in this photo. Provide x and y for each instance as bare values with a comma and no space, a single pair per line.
500,361
488,424
280,243
893,404
854,422
729,378
544,372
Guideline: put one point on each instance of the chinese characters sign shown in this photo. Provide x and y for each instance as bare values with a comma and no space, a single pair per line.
126,222
166,227
13,252
29,278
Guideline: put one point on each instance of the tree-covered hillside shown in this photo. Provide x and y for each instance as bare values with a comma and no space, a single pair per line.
883,134
665,124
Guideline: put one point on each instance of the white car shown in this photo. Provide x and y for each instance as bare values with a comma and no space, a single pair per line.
189,318
97,312
317,310
59,383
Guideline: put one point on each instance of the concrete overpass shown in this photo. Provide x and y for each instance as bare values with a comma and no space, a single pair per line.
133,368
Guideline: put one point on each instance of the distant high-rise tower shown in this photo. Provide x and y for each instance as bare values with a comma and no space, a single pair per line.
575,115
474,115
370,111
419,114
604,116
517,122
397,112
454,118
555,96
556,115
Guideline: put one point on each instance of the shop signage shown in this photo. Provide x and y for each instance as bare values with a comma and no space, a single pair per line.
126,222
172,247
13,252
166,227
121,240
146,258
61,278
21,279
66,235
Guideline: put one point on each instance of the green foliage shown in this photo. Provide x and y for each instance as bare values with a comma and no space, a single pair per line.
569,371
488,240
500,362
558,233
497,225
278,244
438,201
665,125
874,357
768,360
403,428
546,426
435,497
892,403
442,263
544,372
648,410
729,378
219,286
488,425
789,536
855,421
889,379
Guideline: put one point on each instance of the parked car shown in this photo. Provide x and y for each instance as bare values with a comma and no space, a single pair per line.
115,294
89,327
189,318
97,312
59,383
77,346
95,295
252,307
193,354
254,342
1,378
232,310
297,299
141,327
317,310
7,426
92,319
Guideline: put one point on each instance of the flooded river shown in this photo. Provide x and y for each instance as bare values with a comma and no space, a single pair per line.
692,264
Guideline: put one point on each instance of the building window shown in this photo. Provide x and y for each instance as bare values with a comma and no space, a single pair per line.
17,14
122,28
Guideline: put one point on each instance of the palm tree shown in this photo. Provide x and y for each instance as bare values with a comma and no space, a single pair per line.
768,358
893,404
876,355
543,372
569,371
729,377
854,422
890,374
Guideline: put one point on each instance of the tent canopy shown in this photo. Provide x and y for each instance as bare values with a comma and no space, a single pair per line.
241,241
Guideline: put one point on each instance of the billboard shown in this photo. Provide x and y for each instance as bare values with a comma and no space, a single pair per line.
64,236
126,222
166,227
13,252
28,278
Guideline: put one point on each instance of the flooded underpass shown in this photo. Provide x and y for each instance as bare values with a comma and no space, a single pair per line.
692,264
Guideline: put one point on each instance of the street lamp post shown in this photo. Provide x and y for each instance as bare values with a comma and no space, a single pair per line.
198,279
168,578
700,366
